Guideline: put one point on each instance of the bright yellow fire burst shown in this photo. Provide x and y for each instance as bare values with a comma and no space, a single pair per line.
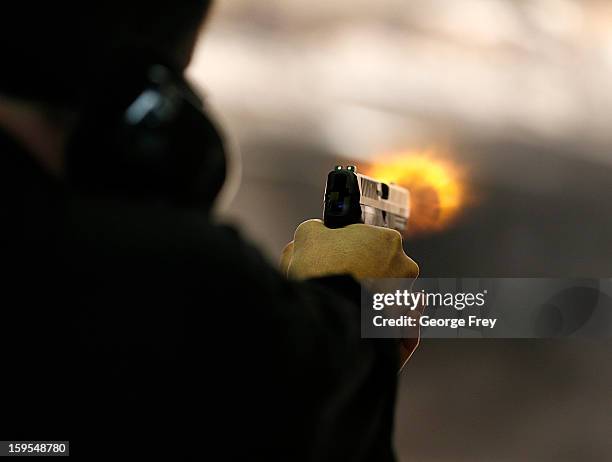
437,189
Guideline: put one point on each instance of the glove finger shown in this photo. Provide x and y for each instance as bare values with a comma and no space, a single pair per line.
286,257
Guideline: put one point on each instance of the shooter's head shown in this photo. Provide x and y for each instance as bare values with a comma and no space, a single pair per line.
51,50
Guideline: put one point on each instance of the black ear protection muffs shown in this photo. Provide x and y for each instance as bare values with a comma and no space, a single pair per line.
142,132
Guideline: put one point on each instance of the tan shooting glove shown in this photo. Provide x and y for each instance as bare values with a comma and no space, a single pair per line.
362,251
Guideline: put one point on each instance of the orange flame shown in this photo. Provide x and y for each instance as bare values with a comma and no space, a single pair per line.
437,187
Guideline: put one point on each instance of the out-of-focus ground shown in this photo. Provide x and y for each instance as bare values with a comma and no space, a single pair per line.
515,94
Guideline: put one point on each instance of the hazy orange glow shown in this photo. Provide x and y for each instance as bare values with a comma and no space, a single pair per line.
437,187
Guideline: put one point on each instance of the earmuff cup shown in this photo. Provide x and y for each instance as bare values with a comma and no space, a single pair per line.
143,132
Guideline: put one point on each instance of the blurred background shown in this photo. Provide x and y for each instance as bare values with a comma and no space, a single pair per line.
496,114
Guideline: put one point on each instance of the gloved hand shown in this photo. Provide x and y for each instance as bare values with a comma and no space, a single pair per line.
362,251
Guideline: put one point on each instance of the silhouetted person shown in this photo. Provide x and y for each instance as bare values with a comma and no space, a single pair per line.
132,323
